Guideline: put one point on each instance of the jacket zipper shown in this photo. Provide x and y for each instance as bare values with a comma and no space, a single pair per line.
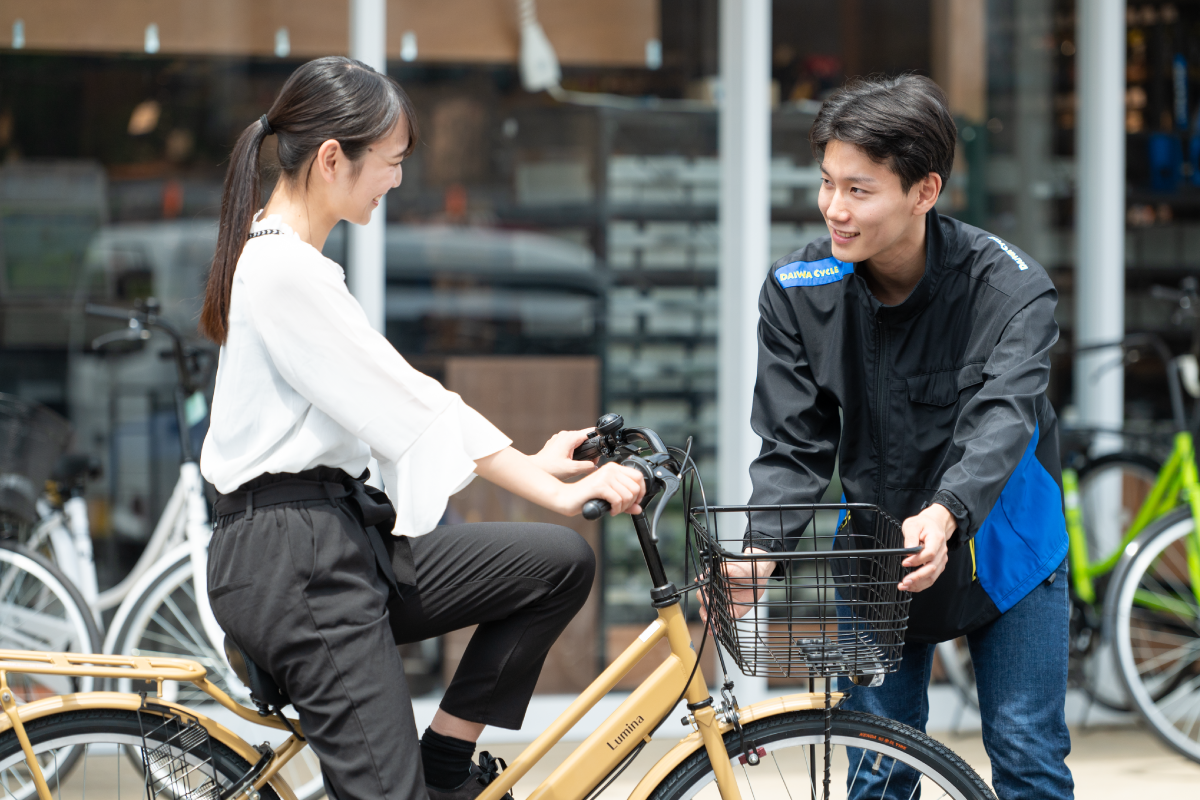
880,401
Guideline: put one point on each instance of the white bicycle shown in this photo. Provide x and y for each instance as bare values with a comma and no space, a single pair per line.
40,607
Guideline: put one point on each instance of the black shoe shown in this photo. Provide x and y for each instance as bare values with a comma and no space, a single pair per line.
481,775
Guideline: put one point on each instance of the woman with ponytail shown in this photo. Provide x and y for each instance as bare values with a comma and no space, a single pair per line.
315,575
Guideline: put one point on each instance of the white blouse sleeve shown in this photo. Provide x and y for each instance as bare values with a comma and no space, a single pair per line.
425,437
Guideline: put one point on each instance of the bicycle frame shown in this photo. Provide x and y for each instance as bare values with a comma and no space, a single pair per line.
1177,482
633,722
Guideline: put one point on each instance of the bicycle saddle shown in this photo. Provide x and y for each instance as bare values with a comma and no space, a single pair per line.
264,691
74,468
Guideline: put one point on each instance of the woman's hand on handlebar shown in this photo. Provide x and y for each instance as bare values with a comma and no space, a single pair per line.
621,487
555,456
522,475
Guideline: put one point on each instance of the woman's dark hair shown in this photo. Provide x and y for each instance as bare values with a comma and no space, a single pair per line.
903,122
329,98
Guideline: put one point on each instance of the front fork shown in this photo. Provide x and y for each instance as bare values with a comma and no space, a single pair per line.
700,705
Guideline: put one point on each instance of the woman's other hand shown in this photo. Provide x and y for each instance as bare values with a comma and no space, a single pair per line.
555,456
747,582
622,487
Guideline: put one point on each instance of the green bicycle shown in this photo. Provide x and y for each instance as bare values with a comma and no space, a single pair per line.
1151,604
1135,573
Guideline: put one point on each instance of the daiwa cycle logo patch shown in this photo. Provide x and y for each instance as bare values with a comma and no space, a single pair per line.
813,273
1021,265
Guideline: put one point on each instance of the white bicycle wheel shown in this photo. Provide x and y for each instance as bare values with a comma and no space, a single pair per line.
955,658
1157,632
41,610
165,620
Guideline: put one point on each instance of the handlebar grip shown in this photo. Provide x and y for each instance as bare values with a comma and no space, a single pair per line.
595,509
589,450
107,311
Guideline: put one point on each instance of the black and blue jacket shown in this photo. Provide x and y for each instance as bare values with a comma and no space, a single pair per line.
938,399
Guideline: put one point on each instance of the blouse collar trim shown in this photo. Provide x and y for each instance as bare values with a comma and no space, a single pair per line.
273,222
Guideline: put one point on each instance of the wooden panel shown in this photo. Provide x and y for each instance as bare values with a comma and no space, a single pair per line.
959,55
612,33
531,399
216,27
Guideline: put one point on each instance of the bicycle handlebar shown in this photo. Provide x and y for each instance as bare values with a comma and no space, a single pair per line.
595,509
615,442
187,367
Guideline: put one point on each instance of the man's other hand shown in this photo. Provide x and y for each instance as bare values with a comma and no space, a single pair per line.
930,529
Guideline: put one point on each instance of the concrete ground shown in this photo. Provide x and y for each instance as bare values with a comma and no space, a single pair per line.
1107,762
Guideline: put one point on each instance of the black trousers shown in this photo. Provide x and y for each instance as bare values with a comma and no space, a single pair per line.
298,586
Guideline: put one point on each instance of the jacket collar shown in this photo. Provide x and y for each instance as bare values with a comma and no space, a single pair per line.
922,294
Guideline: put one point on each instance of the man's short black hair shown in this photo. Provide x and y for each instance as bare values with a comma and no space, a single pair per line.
903,122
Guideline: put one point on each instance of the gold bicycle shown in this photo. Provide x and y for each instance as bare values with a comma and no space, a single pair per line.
831,608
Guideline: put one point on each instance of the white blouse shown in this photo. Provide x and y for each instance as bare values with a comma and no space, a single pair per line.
305,381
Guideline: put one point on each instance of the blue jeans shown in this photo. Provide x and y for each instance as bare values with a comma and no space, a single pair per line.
1021,670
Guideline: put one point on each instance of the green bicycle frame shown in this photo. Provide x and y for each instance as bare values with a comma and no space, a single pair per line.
1177,482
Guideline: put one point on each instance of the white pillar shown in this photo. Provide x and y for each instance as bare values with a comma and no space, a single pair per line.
366,270
745,228
1100,258
1100,210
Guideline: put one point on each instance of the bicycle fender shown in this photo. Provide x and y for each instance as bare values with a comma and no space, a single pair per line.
747,714
84,701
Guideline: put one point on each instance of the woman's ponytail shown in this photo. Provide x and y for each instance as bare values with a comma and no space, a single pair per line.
239,201
328,98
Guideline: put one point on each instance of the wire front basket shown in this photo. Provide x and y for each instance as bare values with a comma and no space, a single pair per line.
831,606
177,759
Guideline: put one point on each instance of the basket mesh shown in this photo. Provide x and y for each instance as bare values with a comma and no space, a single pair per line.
831,607
177,758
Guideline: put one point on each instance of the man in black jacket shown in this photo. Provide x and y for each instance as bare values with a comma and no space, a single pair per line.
914,349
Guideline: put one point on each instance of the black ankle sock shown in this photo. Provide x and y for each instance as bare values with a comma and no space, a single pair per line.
447,760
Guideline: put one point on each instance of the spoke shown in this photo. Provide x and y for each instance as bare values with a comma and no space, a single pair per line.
1183,693
1176,655
781,778
889,779
197,638
749,785
807,771
854,780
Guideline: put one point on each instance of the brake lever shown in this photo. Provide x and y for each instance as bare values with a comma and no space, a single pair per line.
670,483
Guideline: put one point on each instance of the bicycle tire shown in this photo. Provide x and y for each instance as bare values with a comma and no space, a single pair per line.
1157,571
43,611
107,741
167,606
887,739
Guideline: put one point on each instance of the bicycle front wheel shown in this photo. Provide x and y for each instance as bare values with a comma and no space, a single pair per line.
1157,631
107,744
871,758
